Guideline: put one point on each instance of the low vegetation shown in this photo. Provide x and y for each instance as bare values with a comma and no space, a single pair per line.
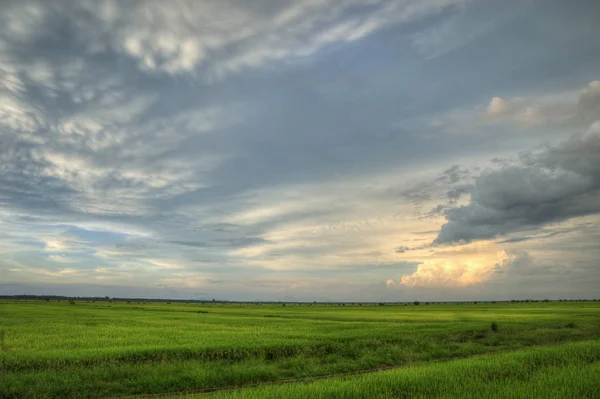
565,371
103,349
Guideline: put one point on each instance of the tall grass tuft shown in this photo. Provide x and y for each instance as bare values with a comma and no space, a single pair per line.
494,326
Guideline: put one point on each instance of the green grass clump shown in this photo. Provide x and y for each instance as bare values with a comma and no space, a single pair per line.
55,350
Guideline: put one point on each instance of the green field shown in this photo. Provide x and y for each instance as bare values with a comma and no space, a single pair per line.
102,349
564,371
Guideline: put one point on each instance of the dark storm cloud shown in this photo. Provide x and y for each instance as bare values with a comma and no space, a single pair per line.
553,184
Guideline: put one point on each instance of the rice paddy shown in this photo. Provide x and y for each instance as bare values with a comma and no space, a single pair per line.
565,371
102,349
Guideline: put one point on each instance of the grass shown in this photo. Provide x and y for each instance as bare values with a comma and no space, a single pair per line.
566,371
58,350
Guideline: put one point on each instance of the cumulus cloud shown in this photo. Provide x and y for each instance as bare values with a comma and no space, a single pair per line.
508,275
550,184
569,109
497,107
451,273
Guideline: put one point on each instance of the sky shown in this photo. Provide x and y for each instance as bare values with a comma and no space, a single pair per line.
341,150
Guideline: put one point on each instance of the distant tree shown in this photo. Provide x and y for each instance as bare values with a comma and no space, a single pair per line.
416,303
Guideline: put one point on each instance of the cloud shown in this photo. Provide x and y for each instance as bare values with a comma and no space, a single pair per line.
469,25
559,110
213,37
454,174
263,146
60,259
62,273
522,112
551,184
163,263
450,273
588,106
497,108
233,242
458,191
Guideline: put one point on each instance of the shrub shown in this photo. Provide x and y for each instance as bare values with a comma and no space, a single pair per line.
71,302
571,325
416,303
494,326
